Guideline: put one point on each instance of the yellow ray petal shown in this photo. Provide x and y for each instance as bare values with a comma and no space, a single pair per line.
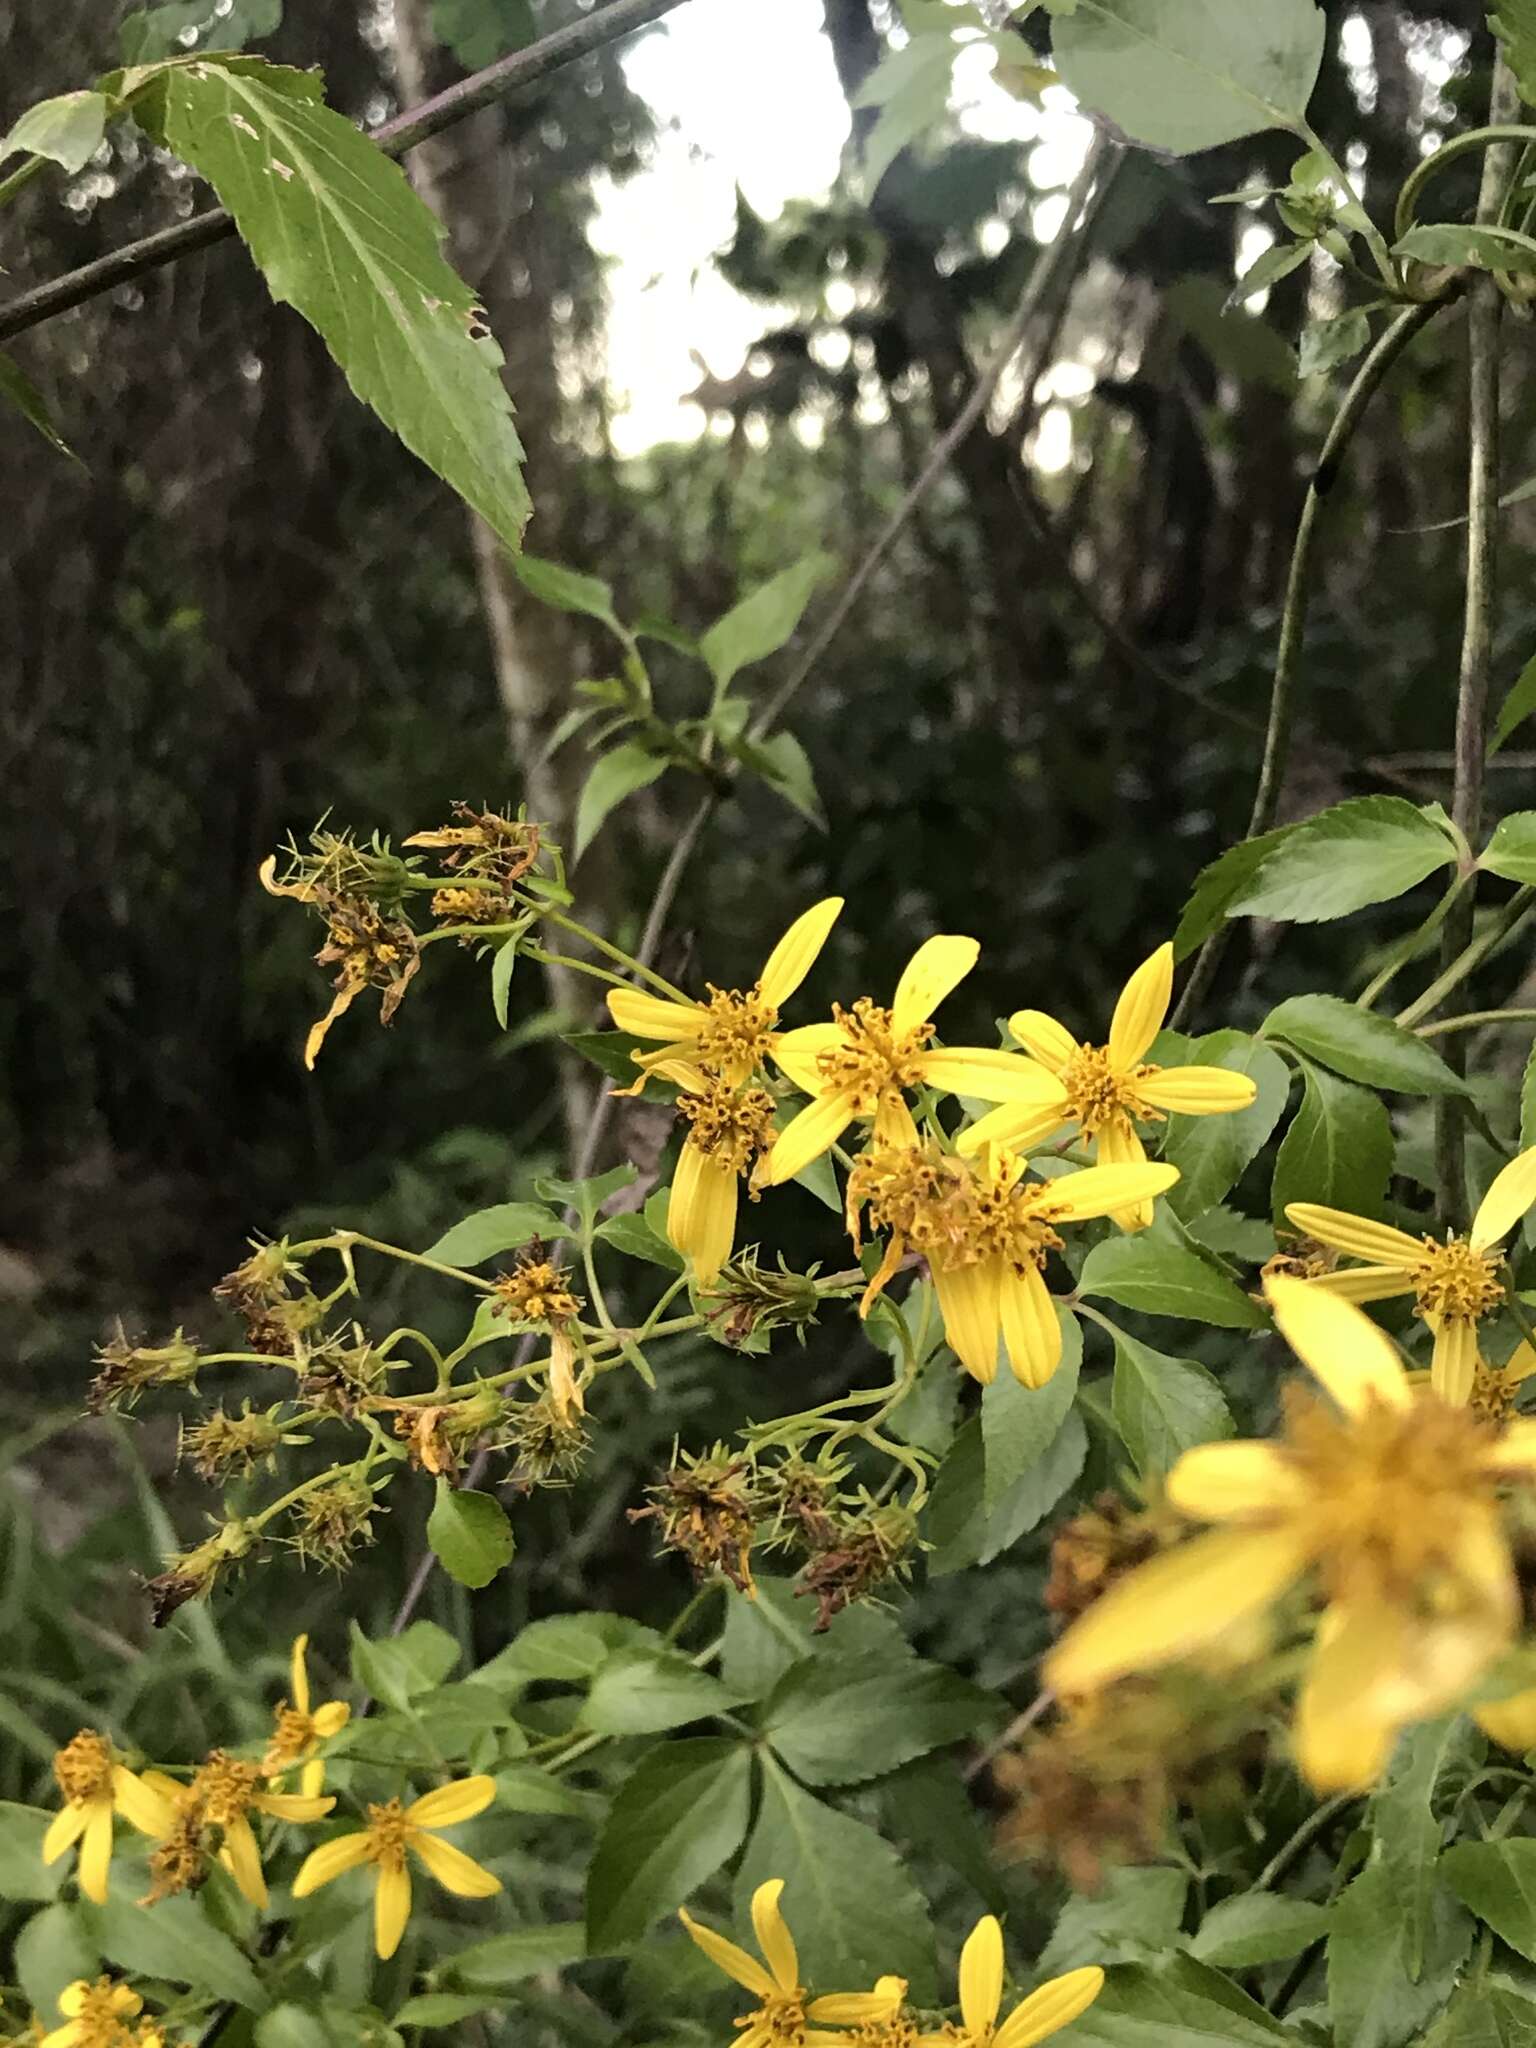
242,1859
1050,1043
312,1778
1365,1283
860,2008
1048,2010
64,1830
938,966
293,1806
806,1136
1241,1482
329,1861
1016,1127
1490,1595
298,1674
645,1016
969,1304
447,1805
330,1719
794,956
96,1851
1454,1364
454,1870
1342,1736
1119,1144
1511,1721
701,1216
1511,1194
893,1122
341,1002
725,1955
798,1053
981,1977
1141,1009
391,1910
1099,1190
1515,1449
1357,1235
992,1076
1340,1346
1520,1364
140,1804
1031,1326
774,1937
1180,1602
1197,1091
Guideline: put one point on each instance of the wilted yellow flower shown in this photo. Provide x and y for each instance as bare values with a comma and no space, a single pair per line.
1104,1089
986,1235
223,1794
864,1063
391,1830
784,2008
733,1033
95,1787
1045,2012
730,1128
298,1730
1454,1282
1391,1501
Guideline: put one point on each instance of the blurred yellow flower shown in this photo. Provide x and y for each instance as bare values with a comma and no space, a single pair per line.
223,1793
391,1830
784,2008
730,1127
1392,1501
1454,1282
95,1787
99,2015
298,1730
1045,2012
863,1064
1103,1089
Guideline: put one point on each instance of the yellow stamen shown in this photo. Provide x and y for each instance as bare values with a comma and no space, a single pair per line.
83,1768
734,1126
870,1060
1451,1279
1098,1091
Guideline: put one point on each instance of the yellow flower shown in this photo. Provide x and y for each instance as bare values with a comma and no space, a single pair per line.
95,1787
1103,1089
223,1793
391,1830
298,1730
730,1127
780,2019
1454,1282
986,1238
98,2016
1045,2012
732,1034
1390,1500
865,1061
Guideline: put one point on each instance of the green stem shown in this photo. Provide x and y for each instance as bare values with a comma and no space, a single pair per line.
1307,1833
627,961
1503,925
22,175
1472,1017
1374,239
344,1239
1413,945
1443,157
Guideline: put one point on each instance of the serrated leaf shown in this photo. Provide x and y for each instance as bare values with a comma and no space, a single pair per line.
1337,1151
1178,2003
761,623
1019,1424
1182,75
1219,884
507,1959
1374,2001
1132,1912
1161,1279
612,1051
1407,1829
643,1691
614,776
585,1197
567,590
67,130
634,1236
570,1648
840,1722
1478,248
678,1815
480,31
763,1637
1212,1152
469,1534
1361,1046
396,1668
959,1526
854,1909
338,234
488,1231
1164,1406
177,1941
1257,1928
1511,852
1327,344
1368,849
1498,1881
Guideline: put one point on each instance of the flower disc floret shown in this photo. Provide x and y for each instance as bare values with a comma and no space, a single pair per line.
872,1060
1453,1278
1098,1091
735,1031
83,1767
733,1125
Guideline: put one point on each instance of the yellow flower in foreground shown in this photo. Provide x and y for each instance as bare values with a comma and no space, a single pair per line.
223,1794
1455,1283
391,1830
986,1236
1103,1089
730,1127
733,1033
1391,1501
95,1787
99,2015
783,2010
1045,2012
863,1064
298,1730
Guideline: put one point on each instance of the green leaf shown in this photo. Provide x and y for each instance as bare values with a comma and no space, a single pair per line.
611,1051
340,236
1361,1046
1485,2013
1337,1151
1511,852
508,1959
632,1235
1528,1101
1019,1424
396,1668
1183,76
1134,1910
839,1722
17,388
643,1691
441,2009
910,86
1326,344
501,979
1368,849
855,1910
155,33
1374,2001
177,1941
1164,1406
480,31
1498,1881
567,590
1257,1928
1220,884
1478,248
1213,1152
1180,2003
585,1197
1521,699
1514,24
781,762
682,1810
1240,345
52,1950
569,1647
1161,1279
1269,269
961,1529
763,620
22,1873
928,1805
614,776
526,1788
481,1236
67,130
469,1534
1407,1829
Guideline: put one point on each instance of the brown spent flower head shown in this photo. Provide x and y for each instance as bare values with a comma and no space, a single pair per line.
191,1573
802,1503
1096,1548
536,1290
707,1513
1299,1258
182,1859
262,1278
341,1377
127,1369
437,1434
232,1445
550,1440
878,1546
744,1303
326,1526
